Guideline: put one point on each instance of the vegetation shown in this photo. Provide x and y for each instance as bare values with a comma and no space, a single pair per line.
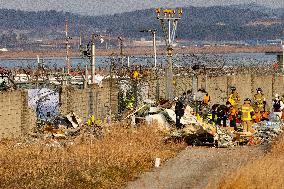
265,172
89,163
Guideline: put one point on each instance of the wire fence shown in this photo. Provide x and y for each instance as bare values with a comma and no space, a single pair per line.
130,82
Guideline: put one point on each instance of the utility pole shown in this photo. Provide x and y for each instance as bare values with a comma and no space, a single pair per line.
121,46
169,20
153,31
93,60
67,46
282,46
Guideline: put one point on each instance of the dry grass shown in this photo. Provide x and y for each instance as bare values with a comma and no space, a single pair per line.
107,163
265,172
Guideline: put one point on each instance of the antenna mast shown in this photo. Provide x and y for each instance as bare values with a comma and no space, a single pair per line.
67,46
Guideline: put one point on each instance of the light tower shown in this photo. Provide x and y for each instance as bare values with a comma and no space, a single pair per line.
169,19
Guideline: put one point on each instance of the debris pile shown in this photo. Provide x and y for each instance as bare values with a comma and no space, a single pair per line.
67,127
266,131
199,132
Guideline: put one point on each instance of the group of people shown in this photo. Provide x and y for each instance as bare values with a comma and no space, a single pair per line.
233,113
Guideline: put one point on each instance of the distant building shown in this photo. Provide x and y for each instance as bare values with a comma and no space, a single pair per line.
279,59
3,49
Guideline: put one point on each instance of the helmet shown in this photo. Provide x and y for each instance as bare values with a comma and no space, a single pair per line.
176,98
233,88
276,95
228,103
259,89
247,100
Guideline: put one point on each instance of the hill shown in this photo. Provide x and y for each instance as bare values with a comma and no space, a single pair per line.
215,23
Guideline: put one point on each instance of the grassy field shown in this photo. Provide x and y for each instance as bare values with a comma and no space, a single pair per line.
266,172
118,157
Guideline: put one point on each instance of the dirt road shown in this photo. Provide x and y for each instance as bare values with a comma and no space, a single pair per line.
196,167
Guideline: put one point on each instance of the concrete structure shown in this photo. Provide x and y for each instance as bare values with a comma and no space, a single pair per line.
218,87
102,102
16,119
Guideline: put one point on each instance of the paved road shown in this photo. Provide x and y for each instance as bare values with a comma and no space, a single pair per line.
195,167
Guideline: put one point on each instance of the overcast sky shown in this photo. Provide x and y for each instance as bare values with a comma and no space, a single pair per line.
98,7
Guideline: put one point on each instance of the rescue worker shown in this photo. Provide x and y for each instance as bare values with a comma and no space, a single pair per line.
265,116
222,111
179,111
206,100
257,116
135,74
247,113
129,101
259,100
214,112
277,107
234,97
233,113
239,120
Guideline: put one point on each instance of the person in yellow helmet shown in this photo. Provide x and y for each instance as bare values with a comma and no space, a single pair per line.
247,115
259,100
234,97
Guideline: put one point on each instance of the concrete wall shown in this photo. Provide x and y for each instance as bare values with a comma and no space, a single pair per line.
101,101
16,119
219,86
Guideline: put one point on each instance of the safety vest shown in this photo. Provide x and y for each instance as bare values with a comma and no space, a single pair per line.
206,99
257,117
258,99
246,112
234,99
210,116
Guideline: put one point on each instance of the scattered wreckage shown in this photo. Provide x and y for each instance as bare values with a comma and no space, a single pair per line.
66,127
195,131
199,132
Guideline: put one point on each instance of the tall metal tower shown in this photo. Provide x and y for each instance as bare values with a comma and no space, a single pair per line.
169,19
67,61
